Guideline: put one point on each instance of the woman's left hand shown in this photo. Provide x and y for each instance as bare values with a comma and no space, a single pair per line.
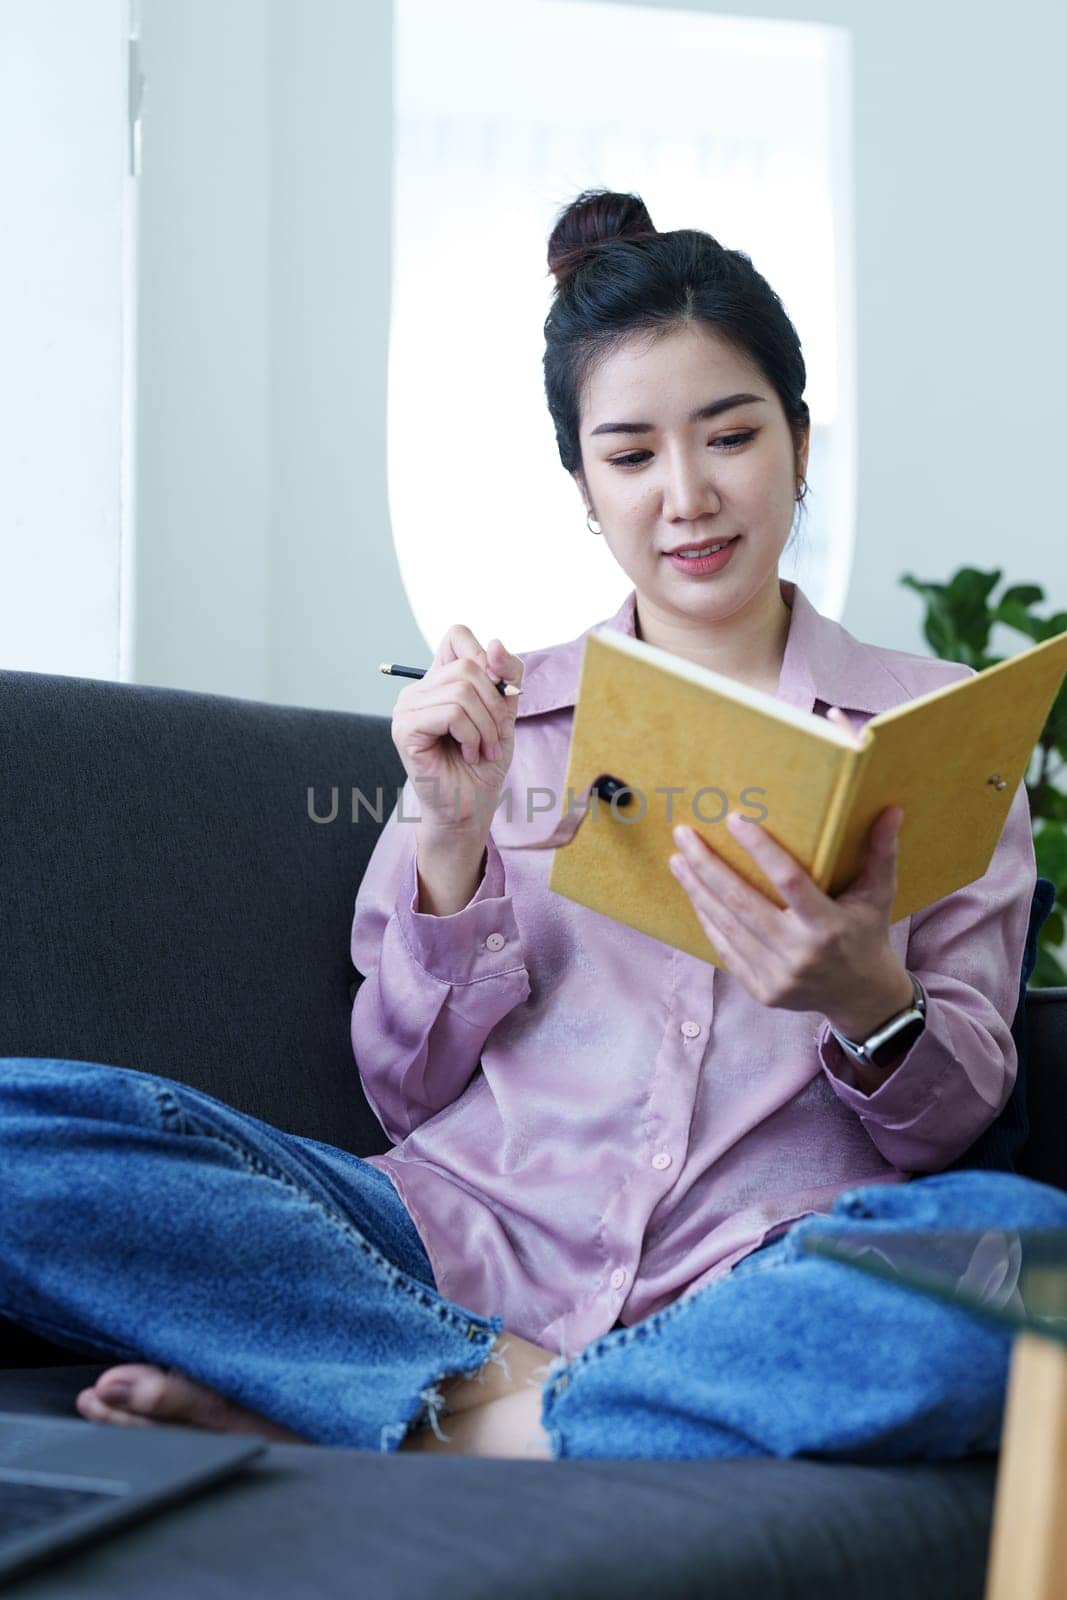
819,954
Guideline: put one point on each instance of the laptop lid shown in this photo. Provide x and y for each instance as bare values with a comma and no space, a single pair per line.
65,1482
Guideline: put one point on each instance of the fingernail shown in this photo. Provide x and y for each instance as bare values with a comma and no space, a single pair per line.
116,1393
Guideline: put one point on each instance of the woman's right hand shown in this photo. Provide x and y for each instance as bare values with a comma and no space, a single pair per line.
455,732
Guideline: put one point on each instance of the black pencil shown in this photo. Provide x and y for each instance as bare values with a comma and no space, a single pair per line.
394,670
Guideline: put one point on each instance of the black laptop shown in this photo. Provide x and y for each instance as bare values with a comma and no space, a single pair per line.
63,1483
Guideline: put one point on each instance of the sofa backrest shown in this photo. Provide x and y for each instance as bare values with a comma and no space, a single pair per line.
170,904
179,876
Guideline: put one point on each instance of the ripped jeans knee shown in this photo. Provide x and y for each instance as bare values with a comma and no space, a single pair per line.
436,1397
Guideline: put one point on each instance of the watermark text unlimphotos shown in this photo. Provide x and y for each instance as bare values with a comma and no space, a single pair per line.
708,804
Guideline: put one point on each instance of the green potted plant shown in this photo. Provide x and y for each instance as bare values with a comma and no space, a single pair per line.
959,617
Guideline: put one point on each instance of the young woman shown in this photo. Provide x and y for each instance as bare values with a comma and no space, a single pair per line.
586,1239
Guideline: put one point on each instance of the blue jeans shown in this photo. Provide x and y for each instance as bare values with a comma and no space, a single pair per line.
144,1220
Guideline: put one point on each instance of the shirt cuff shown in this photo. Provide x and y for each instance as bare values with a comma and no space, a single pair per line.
479,941
910,1090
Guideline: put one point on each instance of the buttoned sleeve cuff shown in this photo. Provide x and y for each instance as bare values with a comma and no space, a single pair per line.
909,1090
942,1094
479,942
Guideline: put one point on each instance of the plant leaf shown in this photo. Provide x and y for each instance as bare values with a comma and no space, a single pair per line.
1054,806
1047,973
1054,625
1050,848
1023,594
1017,617
967,598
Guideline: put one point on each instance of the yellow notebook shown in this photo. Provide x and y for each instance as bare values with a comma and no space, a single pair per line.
952,759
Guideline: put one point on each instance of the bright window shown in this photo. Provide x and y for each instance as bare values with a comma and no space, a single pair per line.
502,114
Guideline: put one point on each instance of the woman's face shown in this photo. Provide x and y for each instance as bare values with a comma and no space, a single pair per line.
659,475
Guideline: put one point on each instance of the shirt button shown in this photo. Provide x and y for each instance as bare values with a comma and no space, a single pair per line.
618,1278
661,1159
495,941
690,1029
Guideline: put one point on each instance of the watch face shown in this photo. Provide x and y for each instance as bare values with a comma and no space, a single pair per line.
890,1049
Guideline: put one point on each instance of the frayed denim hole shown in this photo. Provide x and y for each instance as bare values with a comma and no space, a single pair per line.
498,1358
392,1436
434,1405
394,1275
437,1405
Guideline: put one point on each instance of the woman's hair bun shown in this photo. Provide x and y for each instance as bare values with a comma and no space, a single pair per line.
596,217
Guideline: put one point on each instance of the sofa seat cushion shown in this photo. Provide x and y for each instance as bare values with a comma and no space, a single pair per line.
320,1522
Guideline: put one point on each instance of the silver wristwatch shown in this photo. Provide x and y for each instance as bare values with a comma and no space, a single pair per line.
894,1037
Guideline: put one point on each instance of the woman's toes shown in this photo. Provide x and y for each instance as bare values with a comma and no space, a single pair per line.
172,1397
163,1396
90,1406
146,1394
134,1390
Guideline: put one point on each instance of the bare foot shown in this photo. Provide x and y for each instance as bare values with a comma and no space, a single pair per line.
157,1396
509,1426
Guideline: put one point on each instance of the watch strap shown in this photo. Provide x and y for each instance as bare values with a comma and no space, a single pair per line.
893,1037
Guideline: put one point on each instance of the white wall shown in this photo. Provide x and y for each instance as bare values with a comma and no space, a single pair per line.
265,564
62,164
204,350
961,313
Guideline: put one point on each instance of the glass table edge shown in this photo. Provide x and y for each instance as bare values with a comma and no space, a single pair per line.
1051,1326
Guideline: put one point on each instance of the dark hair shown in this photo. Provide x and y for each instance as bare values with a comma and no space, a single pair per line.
616,276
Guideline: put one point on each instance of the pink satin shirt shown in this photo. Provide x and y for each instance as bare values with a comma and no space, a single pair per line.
588,1124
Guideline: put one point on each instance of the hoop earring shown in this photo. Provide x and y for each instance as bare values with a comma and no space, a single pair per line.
802,490
589,520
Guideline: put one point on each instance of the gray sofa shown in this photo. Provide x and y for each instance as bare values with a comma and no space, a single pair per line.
170,904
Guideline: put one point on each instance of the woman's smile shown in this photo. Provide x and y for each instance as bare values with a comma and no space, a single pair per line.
707,559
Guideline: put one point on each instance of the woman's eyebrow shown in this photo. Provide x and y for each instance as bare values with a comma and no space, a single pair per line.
704,414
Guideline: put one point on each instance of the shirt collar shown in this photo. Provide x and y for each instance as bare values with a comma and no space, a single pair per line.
822,662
